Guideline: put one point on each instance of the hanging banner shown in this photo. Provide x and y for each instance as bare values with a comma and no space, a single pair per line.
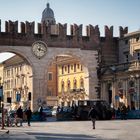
18,97
1,93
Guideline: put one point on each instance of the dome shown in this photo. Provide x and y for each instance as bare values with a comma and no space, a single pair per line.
48,15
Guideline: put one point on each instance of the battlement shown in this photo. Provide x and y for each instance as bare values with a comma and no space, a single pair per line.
55,34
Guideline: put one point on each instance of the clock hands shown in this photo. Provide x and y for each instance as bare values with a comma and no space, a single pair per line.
39,49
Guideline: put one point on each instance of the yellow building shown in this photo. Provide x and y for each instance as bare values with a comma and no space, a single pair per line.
17,82
71,81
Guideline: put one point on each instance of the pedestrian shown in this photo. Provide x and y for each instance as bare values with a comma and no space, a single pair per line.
93,114
19,116
123,110
29,115
40,113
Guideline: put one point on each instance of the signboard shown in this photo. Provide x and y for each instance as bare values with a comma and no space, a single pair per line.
117,97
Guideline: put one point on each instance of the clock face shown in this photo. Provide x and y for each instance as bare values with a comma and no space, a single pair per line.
39,49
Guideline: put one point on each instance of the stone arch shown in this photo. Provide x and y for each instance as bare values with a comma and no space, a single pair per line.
87,58
17,50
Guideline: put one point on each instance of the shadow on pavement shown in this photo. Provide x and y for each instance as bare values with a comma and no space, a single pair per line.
54,136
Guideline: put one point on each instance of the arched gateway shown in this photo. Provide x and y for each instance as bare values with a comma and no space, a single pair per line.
74,45
84,48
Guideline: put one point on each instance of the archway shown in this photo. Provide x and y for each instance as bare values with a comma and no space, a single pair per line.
74,87
40,68
16,81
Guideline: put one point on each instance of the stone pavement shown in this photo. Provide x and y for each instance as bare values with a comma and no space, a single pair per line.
75,130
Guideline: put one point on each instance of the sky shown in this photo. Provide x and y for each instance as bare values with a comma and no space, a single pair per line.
95,12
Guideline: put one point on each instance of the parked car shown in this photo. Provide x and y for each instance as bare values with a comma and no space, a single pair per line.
47,111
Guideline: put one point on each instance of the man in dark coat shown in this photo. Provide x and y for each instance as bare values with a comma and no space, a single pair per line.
19,114
93,114
40,113
29,115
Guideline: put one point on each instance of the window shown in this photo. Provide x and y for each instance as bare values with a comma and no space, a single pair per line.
62,86
75,84
82,83
71,67
137,39
68,85
74,67
81,68
126,58
138,55
65,68
126,42
131,84
68,68
49,76
62,69
78,66
49,92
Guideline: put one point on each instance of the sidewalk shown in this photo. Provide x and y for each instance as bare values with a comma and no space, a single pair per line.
11,133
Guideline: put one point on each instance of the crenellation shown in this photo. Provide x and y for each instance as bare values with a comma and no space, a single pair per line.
97,32
43,28
123,31
6,26
29,28
108,32
57,34
92,31
12,27
76,32
62,31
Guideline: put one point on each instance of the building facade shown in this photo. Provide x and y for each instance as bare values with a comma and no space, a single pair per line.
121,81
17,82
52,85
72,84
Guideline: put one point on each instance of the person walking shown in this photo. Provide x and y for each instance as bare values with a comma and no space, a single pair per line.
19,116
29,115
40,113
92,114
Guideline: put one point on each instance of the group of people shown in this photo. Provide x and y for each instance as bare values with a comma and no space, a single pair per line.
19,116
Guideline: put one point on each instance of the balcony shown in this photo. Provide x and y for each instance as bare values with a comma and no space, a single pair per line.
77,90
